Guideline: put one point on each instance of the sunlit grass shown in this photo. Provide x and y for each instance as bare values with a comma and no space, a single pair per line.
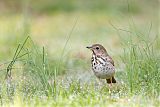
53,68
41,84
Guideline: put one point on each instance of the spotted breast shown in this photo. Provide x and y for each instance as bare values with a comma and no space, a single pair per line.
102,68
102,64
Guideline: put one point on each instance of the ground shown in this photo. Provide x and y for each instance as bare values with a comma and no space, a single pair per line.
55,69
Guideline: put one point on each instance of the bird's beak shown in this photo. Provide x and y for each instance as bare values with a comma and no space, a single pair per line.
89,47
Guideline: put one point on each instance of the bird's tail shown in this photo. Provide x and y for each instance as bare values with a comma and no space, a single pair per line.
109,80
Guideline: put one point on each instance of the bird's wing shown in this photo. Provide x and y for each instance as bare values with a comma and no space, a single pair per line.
109,59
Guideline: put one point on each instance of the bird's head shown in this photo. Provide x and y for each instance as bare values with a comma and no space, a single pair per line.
98,49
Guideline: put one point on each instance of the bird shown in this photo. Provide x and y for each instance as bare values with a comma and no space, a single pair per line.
102,64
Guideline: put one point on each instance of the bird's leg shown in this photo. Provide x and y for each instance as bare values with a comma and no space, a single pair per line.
99,82
111,81
110,86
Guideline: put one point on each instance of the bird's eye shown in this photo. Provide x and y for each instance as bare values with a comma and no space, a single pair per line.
97,48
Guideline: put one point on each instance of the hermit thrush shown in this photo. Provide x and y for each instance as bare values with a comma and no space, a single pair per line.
102,63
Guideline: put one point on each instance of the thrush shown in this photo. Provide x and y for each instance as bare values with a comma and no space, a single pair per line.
102,64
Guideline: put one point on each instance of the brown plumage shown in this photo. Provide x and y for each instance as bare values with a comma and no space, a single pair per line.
102,64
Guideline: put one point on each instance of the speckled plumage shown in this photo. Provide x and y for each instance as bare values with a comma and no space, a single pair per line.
102,64
102,68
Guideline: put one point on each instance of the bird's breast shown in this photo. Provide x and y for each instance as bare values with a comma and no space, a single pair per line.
102,69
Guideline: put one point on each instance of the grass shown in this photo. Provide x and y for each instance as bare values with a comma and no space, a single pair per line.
142,66
50,68
39,84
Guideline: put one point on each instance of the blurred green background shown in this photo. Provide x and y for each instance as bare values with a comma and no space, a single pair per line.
126,28
49,22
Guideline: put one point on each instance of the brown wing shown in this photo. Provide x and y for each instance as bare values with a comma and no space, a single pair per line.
112,80
110,60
